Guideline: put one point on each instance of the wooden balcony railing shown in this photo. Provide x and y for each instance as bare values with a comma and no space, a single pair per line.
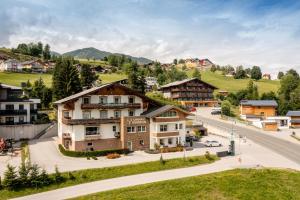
166,134
110,105
90,121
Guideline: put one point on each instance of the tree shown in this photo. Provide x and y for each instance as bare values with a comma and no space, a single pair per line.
23,174
44,178
213,68
288,84
293,73
280,75
269,96
196,74
65,79
34,175
57,176
240,73
181,61
87,76
10,180
46,52
256,73
175,61
23,49
136,78
40,48
226,108
252,91
105,58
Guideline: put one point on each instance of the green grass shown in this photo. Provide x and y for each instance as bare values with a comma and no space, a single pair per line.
233,85
242,184
107,78
16,78
89,175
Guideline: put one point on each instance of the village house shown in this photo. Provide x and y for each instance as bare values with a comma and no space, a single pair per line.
294,118
150,83
202,64
260,109
36,66
190,93
266,76
113,116
10,65
14,108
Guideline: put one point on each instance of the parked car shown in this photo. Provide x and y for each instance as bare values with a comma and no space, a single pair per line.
193,109
216,112
212,143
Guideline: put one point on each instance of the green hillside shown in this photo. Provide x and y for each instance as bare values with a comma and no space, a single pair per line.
223,83
93,53
232,85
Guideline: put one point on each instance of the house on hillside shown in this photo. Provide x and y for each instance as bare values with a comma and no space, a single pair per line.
99,69
257,109
36,66
12,65
294,118
150,83
266,76
190,93
113,116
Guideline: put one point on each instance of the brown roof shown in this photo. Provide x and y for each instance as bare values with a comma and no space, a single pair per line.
185,81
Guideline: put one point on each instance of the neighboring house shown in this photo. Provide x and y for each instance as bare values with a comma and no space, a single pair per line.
99,69
10,65
14,109
294,118
36,66
190,93
281,121
266,76
223,93
113,116
253,110
150,83
123,82
49,65
202,64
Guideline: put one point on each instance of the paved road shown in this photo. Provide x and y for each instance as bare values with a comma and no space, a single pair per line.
285,148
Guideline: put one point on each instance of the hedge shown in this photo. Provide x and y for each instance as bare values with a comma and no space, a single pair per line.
91,153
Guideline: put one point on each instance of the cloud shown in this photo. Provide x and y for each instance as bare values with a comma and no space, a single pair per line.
257,32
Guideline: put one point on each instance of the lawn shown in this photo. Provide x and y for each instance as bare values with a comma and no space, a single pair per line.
16,78
89,175
242,184
233,85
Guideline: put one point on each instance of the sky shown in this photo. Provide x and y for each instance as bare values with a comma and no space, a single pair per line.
236,32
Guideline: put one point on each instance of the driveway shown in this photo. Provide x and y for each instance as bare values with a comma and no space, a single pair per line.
288,149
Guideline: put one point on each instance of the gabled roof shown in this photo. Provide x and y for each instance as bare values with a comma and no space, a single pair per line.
158,111
293,113
175,83
95,89
9,87
272,103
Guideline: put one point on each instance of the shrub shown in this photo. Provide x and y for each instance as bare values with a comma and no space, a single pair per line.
71,176
208,156
91,153
57,176
34,176
94,157
161,160
10,180
171,149
44,178
23,174
113,156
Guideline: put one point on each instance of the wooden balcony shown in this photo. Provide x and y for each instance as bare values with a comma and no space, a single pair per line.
110,105
13,112
92,137
166,119
166,134
90,121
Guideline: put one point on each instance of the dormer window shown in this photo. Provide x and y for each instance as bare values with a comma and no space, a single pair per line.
169,114
86,100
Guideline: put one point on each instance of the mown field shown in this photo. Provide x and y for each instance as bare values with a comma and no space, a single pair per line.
223,83
242,184
232,85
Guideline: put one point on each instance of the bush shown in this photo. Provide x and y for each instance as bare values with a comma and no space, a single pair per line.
113,156
71,176
10,178
44,178
208,156
34,176
161,160
57,176
171,149
91,153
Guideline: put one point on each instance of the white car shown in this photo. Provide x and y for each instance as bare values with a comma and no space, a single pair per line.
212,143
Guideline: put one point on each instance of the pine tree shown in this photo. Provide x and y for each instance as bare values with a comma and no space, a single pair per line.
10,178
34,175
57,176
87,77
44,178
65,80
23,174
196,74
46,52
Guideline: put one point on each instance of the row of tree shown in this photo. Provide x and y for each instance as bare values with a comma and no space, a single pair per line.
34,49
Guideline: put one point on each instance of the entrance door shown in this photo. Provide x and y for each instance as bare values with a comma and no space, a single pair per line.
129,145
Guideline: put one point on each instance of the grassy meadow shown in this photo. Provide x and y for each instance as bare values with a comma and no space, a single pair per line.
242,184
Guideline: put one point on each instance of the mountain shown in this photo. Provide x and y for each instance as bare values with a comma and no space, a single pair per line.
54,53
92,53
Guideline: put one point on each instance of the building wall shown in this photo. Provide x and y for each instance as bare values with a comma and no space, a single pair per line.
270,127
252,110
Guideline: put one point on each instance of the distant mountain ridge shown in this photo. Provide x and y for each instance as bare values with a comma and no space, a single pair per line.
93,53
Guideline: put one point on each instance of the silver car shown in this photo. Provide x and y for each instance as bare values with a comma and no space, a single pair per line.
212,143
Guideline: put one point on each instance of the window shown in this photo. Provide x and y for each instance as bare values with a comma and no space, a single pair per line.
9,107
170,141
131,99
9,120
131,113
169,114
163,128
86,100
130,129
161,142
86,114
176,126
103,114
103,99
117,113
21,119
117,100
21,106
141,128
180,126
114,128
31,106
142,142
92,130
66,114
90,144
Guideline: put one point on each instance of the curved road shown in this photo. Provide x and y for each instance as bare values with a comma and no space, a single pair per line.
285,148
